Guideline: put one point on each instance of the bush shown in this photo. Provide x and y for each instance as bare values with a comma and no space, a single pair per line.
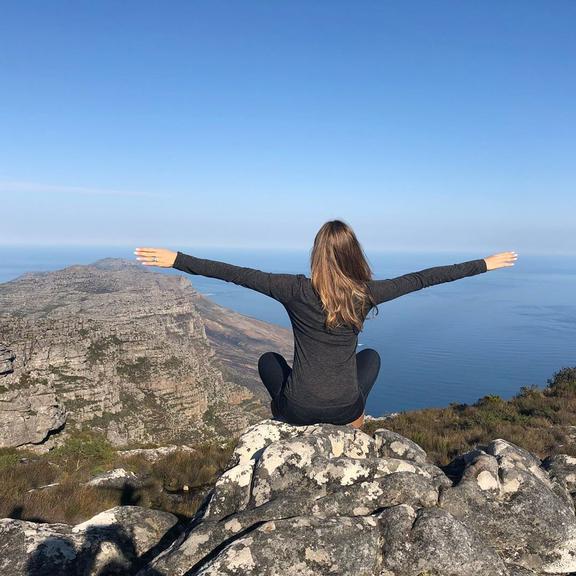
85,454
533,419
83,451
196,470
98,349
137,371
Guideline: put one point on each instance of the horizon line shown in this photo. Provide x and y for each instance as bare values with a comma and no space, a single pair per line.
382,250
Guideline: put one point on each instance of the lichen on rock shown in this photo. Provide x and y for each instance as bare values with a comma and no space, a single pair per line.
327,499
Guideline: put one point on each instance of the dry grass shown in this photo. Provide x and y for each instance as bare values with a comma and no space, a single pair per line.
537,419
87,454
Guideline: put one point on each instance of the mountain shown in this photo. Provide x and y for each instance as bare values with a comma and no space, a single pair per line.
138,354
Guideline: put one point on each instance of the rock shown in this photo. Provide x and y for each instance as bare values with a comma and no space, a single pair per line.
505,495
109,543
154,454
392,444
342,546
562,468
7,358
44,486
29,415
515,570
326,499
117,478
432,541
327,491
387,416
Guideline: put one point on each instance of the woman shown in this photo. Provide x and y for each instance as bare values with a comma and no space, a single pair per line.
328,381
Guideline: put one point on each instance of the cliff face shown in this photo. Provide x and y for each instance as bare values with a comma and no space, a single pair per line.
119,347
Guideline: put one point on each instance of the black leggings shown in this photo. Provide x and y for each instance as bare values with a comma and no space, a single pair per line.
274,370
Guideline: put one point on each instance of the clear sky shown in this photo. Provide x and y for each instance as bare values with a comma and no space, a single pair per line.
425,124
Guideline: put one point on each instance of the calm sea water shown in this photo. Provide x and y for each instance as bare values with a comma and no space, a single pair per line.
454,342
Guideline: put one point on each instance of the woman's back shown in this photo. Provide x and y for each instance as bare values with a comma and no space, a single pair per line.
324,371
324,363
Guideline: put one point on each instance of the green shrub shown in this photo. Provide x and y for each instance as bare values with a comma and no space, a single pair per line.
172,362
533,419
83,451
8,457
137,371
98,349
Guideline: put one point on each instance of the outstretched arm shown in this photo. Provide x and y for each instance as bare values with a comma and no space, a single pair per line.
384,290
281,287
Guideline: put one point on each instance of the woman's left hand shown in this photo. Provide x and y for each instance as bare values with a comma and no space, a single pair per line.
501,260
156,257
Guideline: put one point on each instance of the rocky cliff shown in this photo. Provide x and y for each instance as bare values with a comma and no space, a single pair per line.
134,352
332,500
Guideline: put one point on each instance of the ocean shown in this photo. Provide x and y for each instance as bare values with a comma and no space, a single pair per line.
455,342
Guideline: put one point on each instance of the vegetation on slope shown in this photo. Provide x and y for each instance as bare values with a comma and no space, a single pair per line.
537,419
541,420
23,474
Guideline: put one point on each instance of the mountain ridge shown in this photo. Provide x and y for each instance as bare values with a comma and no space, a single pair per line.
125,349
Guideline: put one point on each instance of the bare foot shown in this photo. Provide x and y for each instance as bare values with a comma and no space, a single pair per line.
358,423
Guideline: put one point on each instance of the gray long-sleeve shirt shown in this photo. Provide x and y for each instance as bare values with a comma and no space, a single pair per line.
324,363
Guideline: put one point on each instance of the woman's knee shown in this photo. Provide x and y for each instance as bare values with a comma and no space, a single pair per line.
376,358
266,357
366,351
370,355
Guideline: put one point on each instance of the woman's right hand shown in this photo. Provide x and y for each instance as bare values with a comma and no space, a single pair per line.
501,260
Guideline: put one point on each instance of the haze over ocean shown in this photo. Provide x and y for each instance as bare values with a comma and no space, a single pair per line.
455,342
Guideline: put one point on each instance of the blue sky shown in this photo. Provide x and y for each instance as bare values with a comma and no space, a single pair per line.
426,125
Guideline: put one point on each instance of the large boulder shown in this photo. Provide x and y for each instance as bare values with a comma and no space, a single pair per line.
327,499
506,495
109,543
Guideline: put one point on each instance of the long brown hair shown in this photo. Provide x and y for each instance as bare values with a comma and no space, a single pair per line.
339,271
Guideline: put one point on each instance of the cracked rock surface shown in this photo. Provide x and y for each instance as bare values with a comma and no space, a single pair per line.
327,499
109,543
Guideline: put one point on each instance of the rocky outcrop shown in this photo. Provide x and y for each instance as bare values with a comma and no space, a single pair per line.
135,353
117,478
154,454
328,499
29,414
562,468
111,542
505,493
324,500
6,360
